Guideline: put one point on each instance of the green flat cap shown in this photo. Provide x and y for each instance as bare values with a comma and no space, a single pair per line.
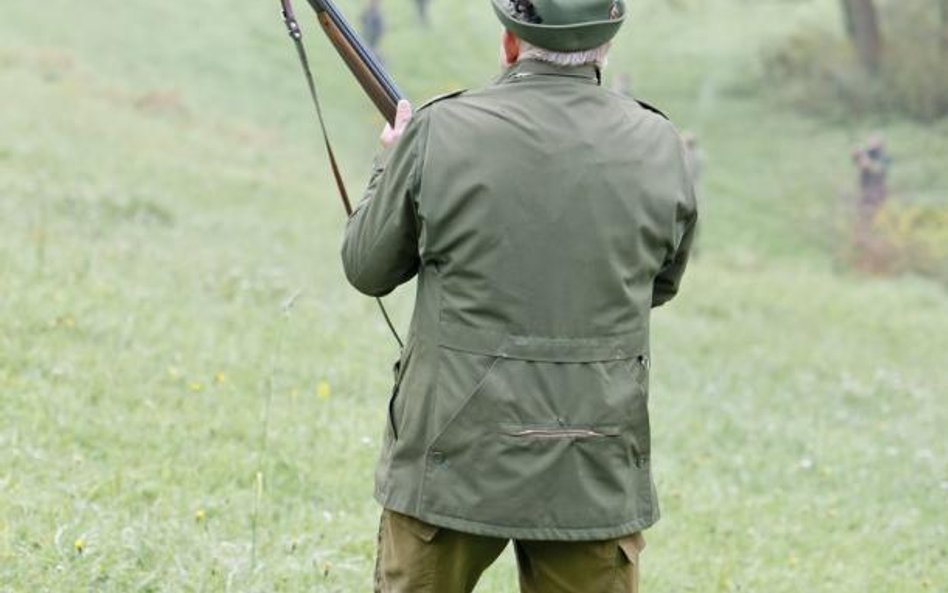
562,25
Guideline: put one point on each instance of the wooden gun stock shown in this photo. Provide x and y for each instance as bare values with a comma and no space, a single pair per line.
363,64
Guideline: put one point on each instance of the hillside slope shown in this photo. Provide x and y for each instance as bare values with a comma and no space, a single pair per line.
174,322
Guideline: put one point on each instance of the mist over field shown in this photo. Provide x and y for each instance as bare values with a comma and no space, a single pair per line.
192,398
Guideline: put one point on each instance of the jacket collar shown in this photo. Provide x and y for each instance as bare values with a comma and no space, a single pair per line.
528,68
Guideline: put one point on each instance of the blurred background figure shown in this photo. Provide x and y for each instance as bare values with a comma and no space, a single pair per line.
694,158
373,25
872,161
872,164
695,162
422,6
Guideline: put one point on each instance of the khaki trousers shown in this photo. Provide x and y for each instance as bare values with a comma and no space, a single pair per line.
415,557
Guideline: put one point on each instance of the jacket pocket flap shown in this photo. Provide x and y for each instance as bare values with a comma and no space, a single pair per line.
423,531
632,546
543,349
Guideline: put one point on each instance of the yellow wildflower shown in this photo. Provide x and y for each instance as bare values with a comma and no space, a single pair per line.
220,378
200,515
79,545
67,321
196,386
323,391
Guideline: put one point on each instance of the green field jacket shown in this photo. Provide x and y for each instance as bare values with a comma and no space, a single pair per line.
544,217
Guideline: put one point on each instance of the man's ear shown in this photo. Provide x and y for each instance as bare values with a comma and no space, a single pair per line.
511,45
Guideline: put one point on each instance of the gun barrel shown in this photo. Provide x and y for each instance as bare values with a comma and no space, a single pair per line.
363,63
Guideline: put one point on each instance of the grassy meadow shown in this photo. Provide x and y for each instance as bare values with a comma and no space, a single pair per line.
192,398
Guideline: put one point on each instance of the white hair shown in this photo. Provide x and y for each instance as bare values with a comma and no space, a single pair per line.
596,56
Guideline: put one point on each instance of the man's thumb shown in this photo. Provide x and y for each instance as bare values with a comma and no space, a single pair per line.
402,115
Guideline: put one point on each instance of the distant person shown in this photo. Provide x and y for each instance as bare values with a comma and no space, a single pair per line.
422,6
544,217
873,162
694,158
694,163
373,25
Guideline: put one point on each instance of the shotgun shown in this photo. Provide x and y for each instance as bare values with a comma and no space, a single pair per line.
363,64
367,70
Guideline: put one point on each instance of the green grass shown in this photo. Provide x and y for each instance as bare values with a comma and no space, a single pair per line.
163,195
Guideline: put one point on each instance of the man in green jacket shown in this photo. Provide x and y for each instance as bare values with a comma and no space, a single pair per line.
544,217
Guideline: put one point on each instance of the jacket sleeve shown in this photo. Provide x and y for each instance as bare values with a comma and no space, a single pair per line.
669,277
380,249
668,280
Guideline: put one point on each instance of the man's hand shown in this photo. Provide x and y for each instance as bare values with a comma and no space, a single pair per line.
391,135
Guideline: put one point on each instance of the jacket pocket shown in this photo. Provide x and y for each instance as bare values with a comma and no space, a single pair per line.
398,371
559,432
631,548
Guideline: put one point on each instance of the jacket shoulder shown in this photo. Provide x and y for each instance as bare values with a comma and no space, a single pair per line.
442,97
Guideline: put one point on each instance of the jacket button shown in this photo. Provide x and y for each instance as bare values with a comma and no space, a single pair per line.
437,457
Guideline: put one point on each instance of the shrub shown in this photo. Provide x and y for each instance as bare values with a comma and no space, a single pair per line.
819,71
917,234
905,236
915,64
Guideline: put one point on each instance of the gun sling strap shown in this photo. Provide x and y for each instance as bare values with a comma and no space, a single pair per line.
296,34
